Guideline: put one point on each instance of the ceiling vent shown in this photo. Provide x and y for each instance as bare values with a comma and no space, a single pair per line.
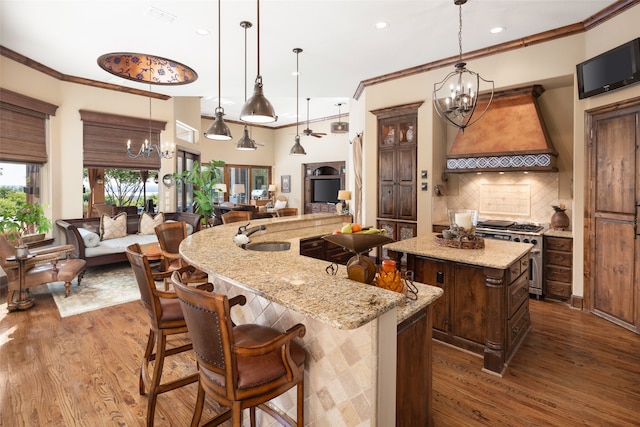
510,137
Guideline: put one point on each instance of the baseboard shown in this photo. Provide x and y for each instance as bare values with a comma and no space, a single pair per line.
577,302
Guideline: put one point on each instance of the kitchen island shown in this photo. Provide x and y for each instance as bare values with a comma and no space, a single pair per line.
359,338
485,307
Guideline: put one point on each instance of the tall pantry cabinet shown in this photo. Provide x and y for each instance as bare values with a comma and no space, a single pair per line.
397,174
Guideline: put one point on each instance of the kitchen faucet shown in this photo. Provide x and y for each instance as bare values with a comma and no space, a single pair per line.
243,229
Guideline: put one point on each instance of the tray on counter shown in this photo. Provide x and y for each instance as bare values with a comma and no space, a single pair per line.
358,243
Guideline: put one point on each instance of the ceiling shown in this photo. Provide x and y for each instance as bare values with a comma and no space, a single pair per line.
341,46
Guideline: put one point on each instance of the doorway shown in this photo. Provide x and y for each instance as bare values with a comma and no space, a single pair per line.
611,214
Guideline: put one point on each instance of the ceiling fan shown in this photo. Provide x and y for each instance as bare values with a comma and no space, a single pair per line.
309,132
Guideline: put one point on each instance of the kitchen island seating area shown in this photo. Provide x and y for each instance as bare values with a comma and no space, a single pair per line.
369,348
240,366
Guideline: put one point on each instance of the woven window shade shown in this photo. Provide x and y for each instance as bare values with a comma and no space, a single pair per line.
23,128
105,139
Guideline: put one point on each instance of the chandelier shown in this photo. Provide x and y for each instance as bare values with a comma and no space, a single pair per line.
165,152
455,98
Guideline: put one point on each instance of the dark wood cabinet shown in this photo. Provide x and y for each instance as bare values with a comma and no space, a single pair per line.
558,260
317,247
397,171
465,315
413,371
314,173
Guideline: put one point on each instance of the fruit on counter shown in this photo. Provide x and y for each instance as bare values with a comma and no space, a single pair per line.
346,229
355,227
372,231
337,232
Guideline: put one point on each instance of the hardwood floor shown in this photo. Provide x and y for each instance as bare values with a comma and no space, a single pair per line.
573,369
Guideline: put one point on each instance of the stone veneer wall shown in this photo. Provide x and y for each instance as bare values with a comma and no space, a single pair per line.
340,382
523,197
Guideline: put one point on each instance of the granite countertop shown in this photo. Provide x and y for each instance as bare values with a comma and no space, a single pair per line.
294,281
559,233
496,253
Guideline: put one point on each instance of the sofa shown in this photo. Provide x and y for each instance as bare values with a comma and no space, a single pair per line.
96,243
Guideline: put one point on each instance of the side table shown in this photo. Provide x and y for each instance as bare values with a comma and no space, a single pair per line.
24,301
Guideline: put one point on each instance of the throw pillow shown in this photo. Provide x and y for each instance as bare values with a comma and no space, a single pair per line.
91,239
148,223
90,227
280,204
112,228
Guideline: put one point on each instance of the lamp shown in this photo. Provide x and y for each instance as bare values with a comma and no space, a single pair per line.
339,127
219,129
147,148
344,195
297,149
245,143
220,189
455,97
272,192
238,189
258,109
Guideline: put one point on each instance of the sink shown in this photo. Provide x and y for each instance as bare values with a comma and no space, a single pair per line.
269,246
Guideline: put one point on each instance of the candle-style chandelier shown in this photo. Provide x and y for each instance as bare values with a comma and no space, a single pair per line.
455,98
165,152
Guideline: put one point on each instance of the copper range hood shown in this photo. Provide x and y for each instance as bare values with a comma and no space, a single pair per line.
510,137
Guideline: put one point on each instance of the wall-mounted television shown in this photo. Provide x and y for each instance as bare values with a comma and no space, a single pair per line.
611,70
326,190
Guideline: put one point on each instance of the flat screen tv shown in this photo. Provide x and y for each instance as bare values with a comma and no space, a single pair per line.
326,190
611,70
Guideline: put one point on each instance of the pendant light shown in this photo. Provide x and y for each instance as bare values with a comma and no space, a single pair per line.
258,109
219,129
297,149
245,143
339,126
455,98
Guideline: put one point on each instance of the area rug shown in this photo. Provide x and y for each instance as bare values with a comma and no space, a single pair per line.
102,286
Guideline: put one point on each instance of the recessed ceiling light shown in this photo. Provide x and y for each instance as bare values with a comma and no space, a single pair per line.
496,30
202,32
381,25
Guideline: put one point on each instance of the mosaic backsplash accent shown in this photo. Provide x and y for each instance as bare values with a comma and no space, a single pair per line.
528,160
523,197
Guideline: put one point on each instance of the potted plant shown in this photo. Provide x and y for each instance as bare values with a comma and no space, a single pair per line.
204,178
20,222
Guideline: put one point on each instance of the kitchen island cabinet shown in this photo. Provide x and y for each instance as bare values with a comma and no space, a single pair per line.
485,307
359,337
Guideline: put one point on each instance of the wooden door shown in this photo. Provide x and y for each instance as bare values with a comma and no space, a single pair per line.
614,199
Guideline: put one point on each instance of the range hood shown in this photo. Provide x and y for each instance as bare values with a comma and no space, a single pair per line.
511,136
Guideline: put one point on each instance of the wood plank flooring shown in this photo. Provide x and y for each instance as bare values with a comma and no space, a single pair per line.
573,369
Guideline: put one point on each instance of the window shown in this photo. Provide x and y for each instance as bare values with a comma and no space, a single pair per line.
185,132
184,191
255,179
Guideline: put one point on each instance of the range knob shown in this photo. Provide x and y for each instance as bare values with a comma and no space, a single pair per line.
534,242
526,240
516,239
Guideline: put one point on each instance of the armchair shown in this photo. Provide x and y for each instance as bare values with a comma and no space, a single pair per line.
44,266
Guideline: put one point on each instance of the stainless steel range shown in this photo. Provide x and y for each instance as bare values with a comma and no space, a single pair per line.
519,232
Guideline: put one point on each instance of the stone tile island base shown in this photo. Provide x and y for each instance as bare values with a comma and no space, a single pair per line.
342,368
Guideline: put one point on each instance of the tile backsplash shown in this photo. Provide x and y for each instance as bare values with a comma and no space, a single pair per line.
519,197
